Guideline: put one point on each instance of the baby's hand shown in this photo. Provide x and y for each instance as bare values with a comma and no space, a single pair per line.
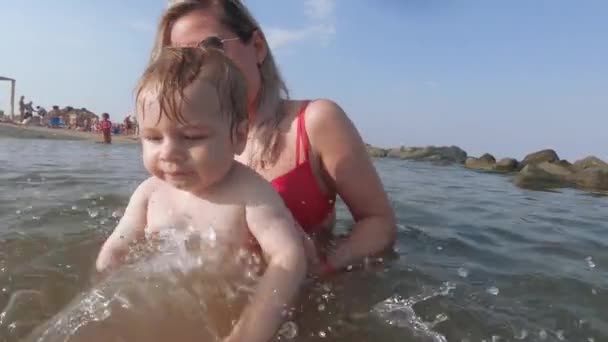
312,254
310,249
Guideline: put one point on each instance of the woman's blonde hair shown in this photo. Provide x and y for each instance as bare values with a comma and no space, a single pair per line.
236,17
174,69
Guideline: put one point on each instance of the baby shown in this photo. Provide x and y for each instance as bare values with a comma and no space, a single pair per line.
192,112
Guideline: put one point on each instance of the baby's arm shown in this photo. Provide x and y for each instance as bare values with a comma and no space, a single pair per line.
130,228
275,230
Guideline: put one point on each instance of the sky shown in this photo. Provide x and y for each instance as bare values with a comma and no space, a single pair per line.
504,77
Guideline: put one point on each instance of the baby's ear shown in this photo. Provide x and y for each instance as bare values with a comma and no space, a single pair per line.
239,137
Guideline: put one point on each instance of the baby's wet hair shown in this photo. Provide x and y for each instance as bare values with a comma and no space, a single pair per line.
176,68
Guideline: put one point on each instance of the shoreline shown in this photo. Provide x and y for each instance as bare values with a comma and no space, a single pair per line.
12,130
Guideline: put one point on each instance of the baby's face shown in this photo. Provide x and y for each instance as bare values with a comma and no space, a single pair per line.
194,155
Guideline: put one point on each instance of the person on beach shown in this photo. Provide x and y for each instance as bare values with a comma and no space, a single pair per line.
128,125
21,107
106,128
309,150
191,105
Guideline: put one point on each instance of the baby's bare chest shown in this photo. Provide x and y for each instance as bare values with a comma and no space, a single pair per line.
223,223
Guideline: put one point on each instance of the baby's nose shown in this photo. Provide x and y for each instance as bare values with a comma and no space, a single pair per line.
172,151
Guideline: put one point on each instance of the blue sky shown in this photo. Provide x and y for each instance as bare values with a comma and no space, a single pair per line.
505,77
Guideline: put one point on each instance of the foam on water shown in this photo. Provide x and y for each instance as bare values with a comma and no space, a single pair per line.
399,311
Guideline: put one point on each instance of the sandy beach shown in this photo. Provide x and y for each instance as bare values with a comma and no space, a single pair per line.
37,132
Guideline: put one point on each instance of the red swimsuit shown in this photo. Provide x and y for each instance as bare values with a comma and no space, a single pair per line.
299,188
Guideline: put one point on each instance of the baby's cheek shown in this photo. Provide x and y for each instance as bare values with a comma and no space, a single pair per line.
150,164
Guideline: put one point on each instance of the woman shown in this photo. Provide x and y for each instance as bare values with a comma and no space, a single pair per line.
309,150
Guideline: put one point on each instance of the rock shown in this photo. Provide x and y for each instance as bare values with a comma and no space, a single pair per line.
590,173
487,162
479,164
547,155
376,152
488,158
507,165
394,152
589,162
593,178
545,175
452,154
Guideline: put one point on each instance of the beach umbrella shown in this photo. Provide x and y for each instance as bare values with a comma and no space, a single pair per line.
2,78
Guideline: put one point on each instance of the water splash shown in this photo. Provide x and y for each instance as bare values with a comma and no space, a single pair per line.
177,275
92,212
398,311
493,290
521,335
590,263
288,330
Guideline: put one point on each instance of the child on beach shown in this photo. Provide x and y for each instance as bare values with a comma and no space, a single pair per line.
106,128
192,111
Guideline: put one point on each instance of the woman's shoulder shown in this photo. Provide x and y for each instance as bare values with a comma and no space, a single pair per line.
326,119
318,113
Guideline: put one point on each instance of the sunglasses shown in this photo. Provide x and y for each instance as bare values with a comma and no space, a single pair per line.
215,42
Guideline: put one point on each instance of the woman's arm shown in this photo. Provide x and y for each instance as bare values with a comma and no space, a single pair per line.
344,156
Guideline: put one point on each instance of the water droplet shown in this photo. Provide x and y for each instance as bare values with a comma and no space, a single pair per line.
36,218
101,198
441,318
211,236
521,335
288,330
92,212
493,290
2,270
4,290
593,291
495,338
349,268
18,212
439,248
560,335
542,334
590,262
116,214
74,207
321,307
29,180
322,334
102,222
463,272
590,339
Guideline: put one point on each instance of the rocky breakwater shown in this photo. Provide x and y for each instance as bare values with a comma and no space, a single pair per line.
539,170
441,154
545,170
